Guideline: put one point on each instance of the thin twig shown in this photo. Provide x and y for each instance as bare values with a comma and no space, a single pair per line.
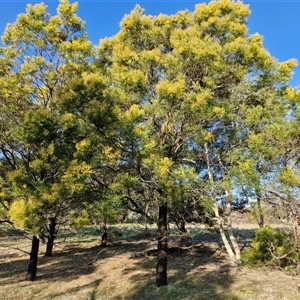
96,257
17,248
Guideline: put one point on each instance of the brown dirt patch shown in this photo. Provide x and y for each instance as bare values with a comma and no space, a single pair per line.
126,270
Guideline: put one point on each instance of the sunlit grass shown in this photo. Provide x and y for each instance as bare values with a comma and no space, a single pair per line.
81,270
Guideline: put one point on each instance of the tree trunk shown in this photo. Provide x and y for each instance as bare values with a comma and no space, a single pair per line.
182,231
124,217
51,236
104,234
230,232
32,267
296,229
162,247
182,228
234,256
227,245
259,213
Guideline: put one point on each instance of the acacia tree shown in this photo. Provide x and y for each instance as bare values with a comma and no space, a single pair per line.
273,153
152,139
254,168
154,119
238,58
177,80
39,141
86,98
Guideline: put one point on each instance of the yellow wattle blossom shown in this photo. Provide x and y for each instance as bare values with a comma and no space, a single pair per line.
110,154
289,177
83,145
133,113
163,167
170,89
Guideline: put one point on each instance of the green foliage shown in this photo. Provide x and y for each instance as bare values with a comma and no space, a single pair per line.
39,140
115,234
185,81
88,130
108,209
268,241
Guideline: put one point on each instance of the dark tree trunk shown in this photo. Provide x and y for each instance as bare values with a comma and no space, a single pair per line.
32,267
124,217
162,247
182,231
182,228
258,211
104,234
51,236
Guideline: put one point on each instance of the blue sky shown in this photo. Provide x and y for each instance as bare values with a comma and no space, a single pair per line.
277,21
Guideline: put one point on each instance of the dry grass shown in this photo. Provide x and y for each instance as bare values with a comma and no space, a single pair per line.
79,269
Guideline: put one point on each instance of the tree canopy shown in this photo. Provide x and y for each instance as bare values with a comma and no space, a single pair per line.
187,112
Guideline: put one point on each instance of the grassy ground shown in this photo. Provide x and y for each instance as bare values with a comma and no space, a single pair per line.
80,269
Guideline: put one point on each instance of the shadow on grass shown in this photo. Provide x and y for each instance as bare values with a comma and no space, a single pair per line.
195,288
202,273
66,265
13,271
74,290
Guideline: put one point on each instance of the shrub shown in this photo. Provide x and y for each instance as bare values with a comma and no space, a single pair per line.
269,243
114,234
